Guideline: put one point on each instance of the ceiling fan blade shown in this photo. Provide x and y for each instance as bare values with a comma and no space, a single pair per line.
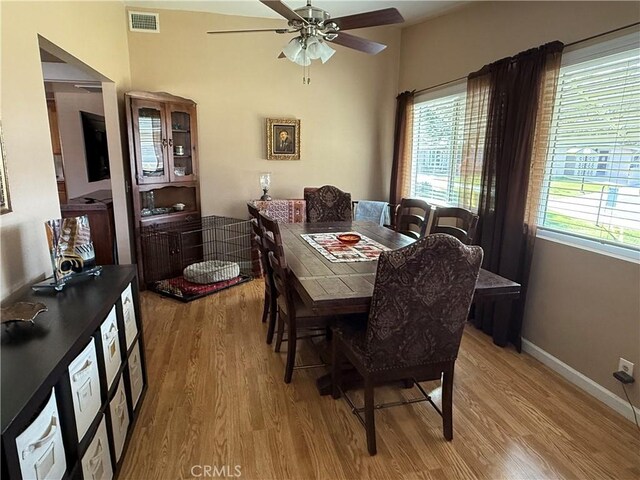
276,30
280,8
386,16
358,43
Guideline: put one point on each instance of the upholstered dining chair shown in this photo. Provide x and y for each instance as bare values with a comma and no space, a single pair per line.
412,217
461,223
292,312
420,302
328,204
270,308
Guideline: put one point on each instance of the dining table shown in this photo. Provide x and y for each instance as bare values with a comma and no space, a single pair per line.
345,287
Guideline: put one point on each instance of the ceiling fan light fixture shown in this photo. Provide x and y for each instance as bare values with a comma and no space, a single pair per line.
302,50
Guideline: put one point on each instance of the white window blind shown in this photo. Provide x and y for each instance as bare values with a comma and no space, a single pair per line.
591,187
438,124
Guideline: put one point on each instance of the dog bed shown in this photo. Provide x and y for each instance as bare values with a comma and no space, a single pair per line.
211,271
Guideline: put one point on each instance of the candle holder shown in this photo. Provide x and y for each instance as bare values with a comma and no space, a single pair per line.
265,183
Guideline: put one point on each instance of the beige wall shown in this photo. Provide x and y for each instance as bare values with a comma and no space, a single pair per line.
346,112
456,44
583,307
93,32
69,106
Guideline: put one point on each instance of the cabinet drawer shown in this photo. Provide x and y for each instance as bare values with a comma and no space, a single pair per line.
110,347
85,388
135,375
96,462
119,419
40,448
129,314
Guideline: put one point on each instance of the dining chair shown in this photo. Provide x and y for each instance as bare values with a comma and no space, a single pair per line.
412,217
460,222
293,314
328,204
270,307
421,298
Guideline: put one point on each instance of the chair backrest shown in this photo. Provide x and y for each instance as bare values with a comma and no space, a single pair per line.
328,204
255,220
465,226
272,240
420,303
258,235
372,211
412,217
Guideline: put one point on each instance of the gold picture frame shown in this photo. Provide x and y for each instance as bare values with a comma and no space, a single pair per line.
5,200
283,139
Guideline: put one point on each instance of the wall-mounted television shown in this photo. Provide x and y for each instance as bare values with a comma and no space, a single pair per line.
95,146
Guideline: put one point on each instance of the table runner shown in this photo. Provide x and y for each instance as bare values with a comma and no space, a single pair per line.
335,251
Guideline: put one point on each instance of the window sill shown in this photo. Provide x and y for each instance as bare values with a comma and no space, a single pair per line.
621,253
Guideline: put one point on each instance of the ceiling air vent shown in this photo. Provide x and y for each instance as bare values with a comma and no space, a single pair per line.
144,22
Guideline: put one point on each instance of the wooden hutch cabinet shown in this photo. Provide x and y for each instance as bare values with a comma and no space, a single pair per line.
163,149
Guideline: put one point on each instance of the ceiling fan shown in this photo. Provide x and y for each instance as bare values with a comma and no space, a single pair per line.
315,28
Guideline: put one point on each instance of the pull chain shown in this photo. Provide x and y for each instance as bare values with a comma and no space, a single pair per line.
306,77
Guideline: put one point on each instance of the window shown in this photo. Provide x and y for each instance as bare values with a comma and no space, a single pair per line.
591,186
438,124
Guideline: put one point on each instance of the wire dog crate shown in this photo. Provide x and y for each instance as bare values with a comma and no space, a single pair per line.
188,260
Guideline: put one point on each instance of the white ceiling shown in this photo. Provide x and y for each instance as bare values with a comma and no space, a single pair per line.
412,11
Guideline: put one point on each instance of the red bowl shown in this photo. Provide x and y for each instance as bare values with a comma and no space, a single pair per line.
349,238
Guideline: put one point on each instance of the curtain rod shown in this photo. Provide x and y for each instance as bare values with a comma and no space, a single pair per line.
567,45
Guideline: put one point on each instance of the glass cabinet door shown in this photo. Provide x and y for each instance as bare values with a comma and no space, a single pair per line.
151,142
182,148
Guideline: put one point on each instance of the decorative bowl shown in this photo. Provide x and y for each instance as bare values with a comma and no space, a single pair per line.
349,238
179,207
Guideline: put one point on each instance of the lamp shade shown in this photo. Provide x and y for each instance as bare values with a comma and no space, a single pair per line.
265,180
316,48
296,52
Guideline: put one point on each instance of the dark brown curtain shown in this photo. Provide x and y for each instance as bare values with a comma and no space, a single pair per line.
402,142
516,125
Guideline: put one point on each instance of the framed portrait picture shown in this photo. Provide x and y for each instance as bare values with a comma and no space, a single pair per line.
283,139
5,203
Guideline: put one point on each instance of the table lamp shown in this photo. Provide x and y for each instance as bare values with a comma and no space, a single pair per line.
265,183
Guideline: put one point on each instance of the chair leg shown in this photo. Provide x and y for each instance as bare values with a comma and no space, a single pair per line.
336,369
273,316
447,403
369,418
267,303
291,350
280,322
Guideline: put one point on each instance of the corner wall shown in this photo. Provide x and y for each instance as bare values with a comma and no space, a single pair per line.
583,307
346,112
93,32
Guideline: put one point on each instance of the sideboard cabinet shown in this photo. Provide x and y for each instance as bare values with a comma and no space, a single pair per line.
163,150
73,382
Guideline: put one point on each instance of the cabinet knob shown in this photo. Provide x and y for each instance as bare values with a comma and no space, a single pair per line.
164,142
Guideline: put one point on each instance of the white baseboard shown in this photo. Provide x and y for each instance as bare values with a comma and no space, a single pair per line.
594,389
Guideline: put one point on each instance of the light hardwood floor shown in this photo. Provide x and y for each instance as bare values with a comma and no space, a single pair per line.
216,398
